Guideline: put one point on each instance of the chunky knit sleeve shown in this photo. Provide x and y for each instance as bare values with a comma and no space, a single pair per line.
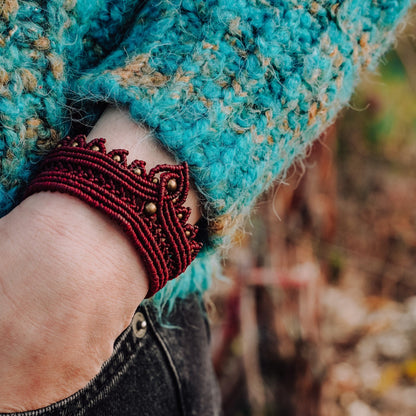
240,88
32,80
43,46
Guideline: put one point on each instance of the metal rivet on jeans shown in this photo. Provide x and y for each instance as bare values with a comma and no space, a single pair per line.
139,325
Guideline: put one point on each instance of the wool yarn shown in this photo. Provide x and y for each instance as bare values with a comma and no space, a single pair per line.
238,89
43,46
31,89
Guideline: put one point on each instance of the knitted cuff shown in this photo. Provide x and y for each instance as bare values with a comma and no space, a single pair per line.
148,206
239,89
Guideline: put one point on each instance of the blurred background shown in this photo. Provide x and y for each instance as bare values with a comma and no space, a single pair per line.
318,315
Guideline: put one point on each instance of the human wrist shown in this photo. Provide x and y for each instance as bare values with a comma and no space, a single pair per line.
74,230
147,203
69,287
56,238
73,279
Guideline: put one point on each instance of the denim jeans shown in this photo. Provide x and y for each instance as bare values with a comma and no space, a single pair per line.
155,370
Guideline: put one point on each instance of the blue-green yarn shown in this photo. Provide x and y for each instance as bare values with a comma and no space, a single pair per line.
32,80
238,89
246,85
43,45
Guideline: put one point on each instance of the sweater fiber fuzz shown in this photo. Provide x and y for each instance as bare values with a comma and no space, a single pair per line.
238,89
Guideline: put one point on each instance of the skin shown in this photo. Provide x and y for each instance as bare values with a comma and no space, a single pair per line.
70,283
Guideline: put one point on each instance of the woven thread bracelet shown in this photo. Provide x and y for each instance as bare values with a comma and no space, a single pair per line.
148,206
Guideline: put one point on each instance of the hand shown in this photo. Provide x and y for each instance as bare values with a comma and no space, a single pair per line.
70,282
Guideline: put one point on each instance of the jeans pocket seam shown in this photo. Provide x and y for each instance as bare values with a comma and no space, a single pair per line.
111,371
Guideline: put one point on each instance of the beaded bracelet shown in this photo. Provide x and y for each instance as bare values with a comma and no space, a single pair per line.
148,206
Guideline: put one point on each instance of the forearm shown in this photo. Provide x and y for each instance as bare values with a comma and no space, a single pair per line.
70,282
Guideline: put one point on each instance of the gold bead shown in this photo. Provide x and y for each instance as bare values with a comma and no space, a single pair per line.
175,200
172,185
59,145
180,216
117,158
95,148
150,208
155,180
75,144
137,171
187,233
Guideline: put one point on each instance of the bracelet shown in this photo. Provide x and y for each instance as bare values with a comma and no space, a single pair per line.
148,206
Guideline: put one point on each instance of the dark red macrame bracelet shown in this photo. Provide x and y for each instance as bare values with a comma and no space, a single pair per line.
148,206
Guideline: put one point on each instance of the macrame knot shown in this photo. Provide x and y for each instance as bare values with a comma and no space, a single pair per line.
148,206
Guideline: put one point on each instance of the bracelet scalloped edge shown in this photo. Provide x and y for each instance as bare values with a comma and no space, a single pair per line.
148,206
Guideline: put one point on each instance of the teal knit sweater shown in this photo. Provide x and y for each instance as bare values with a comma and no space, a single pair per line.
237,88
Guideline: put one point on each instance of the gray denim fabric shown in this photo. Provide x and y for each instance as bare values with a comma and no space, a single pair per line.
155,370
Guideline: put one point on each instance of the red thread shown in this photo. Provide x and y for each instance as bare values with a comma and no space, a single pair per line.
163,239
